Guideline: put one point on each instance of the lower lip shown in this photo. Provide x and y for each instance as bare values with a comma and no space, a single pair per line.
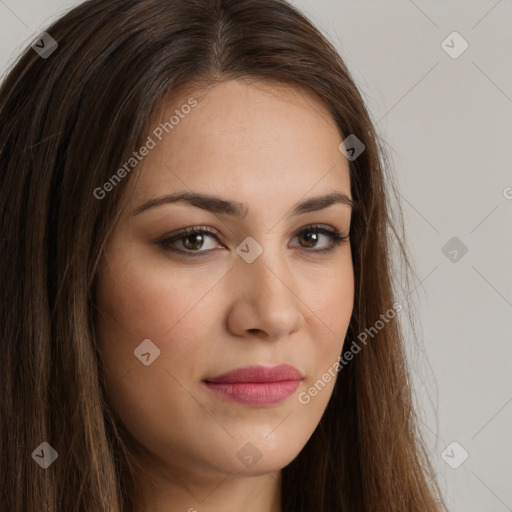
255,393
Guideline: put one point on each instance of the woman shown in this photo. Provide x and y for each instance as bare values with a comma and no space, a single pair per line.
198,308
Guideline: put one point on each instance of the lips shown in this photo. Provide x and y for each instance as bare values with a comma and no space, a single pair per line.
256,385
259,374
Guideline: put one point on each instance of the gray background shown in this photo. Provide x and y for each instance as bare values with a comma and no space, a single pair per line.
447,123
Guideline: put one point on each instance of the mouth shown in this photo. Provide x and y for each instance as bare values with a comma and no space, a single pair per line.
256,385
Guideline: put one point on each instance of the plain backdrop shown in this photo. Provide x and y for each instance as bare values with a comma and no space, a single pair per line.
446,117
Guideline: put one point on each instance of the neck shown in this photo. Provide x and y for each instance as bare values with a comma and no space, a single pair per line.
173,490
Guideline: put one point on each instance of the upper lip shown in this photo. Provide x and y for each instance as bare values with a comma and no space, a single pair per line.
259,374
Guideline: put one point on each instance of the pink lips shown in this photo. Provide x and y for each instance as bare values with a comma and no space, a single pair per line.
257,385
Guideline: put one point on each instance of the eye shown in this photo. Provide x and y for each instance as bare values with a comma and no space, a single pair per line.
312,234
193,239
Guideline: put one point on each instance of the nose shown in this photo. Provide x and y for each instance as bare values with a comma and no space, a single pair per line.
265,299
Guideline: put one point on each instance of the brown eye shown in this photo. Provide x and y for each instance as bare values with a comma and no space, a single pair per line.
311,239
312,235
193,242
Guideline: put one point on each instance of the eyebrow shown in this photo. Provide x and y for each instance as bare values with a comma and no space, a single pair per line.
234,208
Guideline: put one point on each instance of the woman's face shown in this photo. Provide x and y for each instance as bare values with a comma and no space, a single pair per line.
178,312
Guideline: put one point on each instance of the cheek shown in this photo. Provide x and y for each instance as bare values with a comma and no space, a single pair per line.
331,305
136,302
330,299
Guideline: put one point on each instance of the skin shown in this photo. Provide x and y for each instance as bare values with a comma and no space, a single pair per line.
268,146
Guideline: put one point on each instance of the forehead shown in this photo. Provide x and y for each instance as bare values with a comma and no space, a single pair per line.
250,137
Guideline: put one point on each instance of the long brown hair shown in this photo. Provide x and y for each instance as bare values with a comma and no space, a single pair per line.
68,122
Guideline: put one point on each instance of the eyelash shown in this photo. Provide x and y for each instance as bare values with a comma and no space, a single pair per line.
335,236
